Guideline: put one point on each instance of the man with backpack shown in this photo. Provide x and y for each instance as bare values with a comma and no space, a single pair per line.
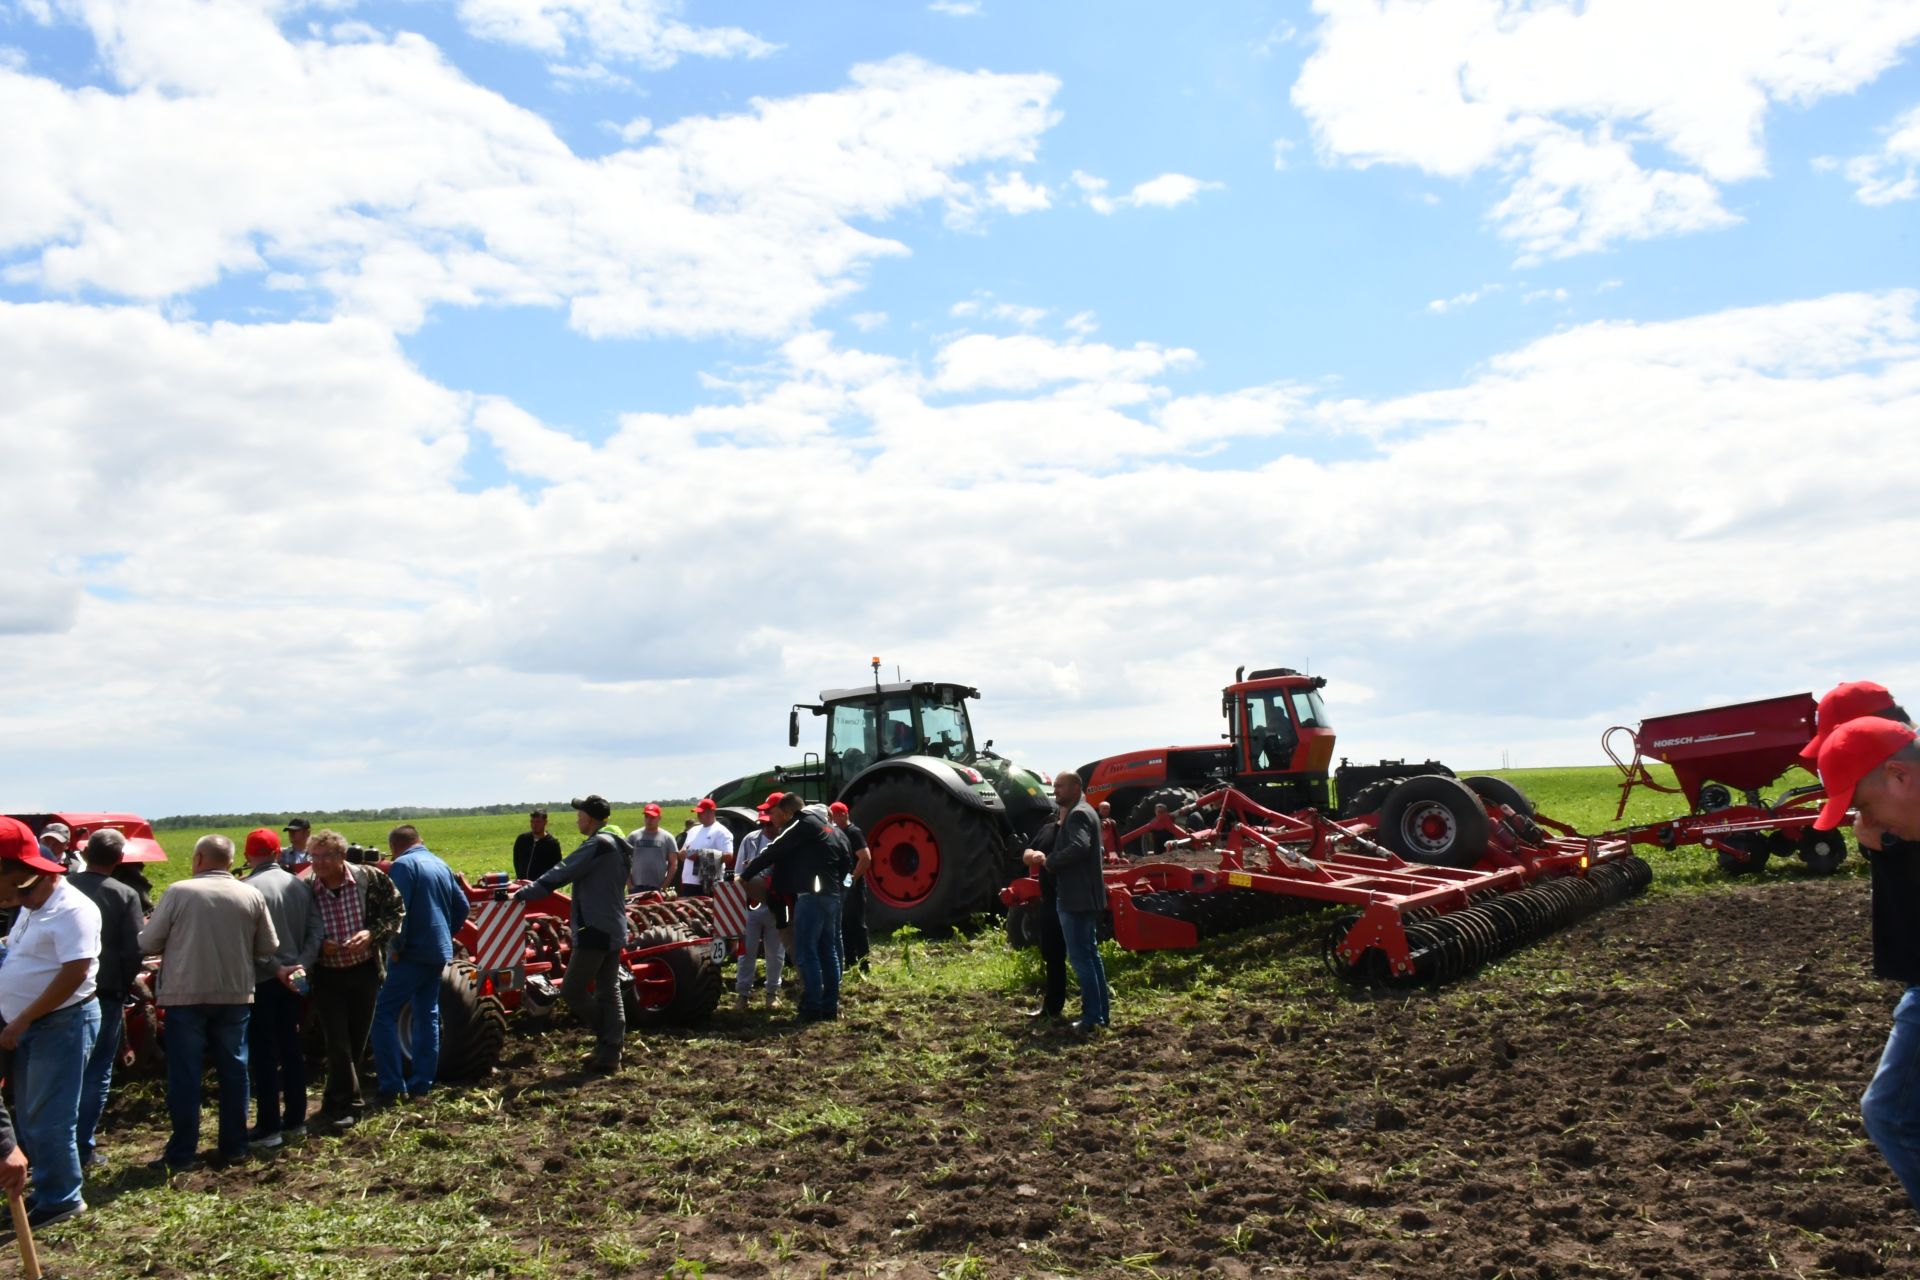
597,870
809,860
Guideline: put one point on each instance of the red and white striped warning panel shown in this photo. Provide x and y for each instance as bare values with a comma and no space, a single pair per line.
502,940
730,909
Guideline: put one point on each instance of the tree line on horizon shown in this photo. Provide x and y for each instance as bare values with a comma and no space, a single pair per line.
397,813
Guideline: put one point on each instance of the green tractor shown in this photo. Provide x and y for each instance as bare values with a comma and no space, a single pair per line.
945,820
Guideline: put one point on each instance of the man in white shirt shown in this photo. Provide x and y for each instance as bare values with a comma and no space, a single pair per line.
46,997
707,854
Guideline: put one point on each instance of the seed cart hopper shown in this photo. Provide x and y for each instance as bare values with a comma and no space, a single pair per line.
1718,754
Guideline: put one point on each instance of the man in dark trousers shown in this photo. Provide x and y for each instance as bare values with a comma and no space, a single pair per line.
597,870
360,912
535,850
276,1058
1075,862
435,908
120,923
1053,944
1865,752
809,861
853,907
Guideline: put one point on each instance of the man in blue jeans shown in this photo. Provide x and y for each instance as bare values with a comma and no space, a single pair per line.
1080,887
1868,760
436,907
208,931
809,860
46,996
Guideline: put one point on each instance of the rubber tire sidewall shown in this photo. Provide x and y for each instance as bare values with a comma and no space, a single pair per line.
1498,791
1471,828
970,844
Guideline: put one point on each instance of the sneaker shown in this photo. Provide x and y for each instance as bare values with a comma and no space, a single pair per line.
43,1216
773,999
168,1168
602,1060
740,1002
383,1101
263,1140
419,1095
293,1131
93,1160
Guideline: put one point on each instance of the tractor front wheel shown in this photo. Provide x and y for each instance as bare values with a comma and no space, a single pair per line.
935,861
1436,821
1175,798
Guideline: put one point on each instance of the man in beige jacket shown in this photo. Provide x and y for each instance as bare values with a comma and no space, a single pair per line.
208,932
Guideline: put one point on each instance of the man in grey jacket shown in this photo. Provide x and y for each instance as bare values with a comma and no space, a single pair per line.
1075,862
276,1058
597,870
208,932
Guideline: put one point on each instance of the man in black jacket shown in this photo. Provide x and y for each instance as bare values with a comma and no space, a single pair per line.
120,921
1075,862
536,851
809,860
1053,944
1888,831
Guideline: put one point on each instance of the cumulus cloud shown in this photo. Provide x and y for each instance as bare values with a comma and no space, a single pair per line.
392,183
1167,191
1609,121
647,32
1440,306
1892,173
1093,545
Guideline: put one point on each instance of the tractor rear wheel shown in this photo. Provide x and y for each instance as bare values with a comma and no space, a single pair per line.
1822,851
1175,798
683,991
1499,791
1435,821
935,861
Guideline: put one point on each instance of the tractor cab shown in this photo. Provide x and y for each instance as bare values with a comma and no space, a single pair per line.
1280,735
868,725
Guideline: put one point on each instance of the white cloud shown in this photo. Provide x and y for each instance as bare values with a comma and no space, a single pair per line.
1440,306
983,306
1014,194
1893,172
868,321
1167,191
1544,295
957,8
1611,121
642,31
1282,152
380,173
321,540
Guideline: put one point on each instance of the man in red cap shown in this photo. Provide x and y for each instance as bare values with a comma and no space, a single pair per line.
1871,763
1846,702
655,855
708,851
46,997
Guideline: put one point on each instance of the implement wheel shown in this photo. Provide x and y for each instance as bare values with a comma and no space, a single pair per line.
473,1027
1822,851
678,988
935,861
1756,850
1435,821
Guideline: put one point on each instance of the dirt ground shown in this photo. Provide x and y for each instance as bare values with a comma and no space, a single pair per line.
1665,1090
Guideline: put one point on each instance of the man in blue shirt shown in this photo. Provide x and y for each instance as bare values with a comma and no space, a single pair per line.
436,907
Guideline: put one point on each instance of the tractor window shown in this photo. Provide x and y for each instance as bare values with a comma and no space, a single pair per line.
851,741
1270,735
1311,712
896,726
943,727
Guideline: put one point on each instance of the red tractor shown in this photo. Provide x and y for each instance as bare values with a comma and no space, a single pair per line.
1276,752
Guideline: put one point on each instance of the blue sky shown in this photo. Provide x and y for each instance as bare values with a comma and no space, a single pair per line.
1401,329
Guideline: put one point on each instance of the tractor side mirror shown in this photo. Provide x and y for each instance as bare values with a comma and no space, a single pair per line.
793,727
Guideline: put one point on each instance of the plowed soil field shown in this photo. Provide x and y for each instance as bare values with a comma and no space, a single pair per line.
1664,1090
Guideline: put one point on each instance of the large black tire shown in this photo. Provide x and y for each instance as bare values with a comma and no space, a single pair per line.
696,982
1023,924
1500,791
1369,798
935,861
1822,851
1175,798
473,1027
1435,821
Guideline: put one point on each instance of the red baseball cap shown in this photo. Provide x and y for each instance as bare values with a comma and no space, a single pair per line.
706,805
19,844
1850,753
773,799
261,841
836,809
651,811
1842,703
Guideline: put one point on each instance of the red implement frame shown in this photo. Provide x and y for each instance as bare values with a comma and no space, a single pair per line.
1309,858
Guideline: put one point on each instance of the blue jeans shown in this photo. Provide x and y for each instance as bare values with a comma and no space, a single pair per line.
277,1058
816,945
411,984
1890,1107
193,1030
47,1066
99,1073
1081,929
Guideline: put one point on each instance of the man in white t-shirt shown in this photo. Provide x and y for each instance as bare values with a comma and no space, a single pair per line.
46,997
707,854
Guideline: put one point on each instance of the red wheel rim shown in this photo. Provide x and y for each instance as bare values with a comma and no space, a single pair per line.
906,860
